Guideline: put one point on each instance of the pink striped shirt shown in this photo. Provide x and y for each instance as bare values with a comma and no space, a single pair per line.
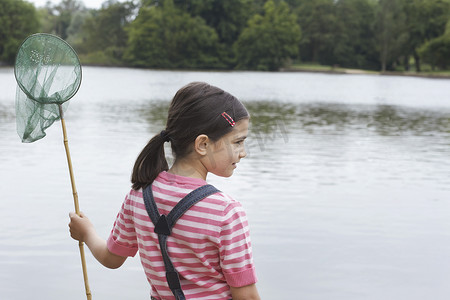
209,246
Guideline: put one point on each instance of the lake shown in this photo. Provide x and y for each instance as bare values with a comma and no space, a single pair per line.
346,183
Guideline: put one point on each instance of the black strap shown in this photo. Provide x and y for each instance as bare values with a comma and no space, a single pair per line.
164,224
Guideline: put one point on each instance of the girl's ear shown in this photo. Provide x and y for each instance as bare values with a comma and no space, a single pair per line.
201,144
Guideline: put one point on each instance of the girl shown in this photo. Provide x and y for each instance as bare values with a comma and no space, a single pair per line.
209,245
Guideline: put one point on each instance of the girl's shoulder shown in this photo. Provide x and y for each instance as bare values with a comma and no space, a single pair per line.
134,194
221,198
223,204
226,197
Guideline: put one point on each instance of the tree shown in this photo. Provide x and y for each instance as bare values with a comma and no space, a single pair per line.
46,16
354,44
63,13
228,18
75,30
425,20
163,36
270,40
317,19
437,51
58,19
103,35
391,34
18,19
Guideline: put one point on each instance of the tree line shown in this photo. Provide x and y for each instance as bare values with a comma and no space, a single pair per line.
240,34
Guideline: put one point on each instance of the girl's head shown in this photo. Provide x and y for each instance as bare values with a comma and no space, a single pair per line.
196,109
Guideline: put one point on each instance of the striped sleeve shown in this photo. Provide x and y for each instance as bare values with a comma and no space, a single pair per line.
235,247
122,240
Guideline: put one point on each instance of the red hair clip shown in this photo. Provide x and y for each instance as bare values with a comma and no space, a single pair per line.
229,119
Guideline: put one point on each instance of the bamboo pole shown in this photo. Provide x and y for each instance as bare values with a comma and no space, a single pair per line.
75,200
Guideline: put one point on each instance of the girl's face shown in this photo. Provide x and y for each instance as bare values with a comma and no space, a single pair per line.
223,155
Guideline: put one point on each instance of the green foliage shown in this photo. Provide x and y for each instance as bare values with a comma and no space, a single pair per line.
107,57
425,20
269,40
437,51
318,23
167,37
227,18
391,34
247,34
103,37
64,19
62,16
18,19
46,19
354,45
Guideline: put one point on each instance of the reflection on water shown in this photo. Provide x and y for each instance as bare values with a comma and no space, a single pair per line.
390,120
155,113
271,116
268,117
6,113
347,119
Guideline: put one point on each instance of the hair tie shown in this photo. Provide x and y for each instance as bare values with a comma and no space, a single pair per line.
229,119
164,136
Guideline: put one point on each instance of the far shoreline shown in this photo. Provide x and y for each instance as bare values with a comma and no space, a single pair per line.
292,69
345,71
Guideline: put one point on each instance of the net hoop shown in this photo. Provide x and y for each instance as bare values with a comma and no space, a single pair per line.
55,40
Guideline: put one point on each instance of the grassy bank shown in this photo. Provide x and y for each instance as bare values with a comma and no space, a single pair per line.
338,70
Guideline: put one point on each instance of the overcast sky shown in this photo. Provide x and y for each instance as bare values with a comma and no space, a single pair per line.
88,3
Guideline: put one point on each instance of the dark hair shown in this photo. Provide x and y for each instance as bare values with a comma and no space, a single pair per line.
195,109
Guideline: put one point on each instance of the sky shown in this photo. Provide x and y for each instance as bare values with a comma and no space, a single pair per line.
88,3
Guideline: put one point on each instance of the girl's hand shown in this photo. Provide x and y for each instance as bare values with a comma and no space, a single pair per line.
80,226
81,229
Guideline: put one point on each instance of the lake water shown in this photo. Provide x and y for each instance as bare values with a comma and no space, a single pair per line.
346,183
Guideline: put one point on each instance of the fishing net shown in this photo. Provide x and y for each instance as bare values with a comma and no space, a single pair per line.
48,74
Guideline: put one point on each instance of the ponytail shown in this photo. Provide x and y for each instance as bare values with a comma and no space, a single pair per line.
150,162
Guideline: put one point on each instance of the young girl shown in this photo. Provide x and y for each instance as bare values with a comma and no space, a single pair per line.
209,245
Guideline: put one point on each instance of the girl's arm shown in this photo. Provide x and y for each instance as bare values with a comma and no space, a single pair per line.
81,229
248,292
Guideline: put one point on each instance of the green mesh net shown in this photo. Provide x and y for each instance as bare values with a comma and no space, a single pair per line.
48,74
